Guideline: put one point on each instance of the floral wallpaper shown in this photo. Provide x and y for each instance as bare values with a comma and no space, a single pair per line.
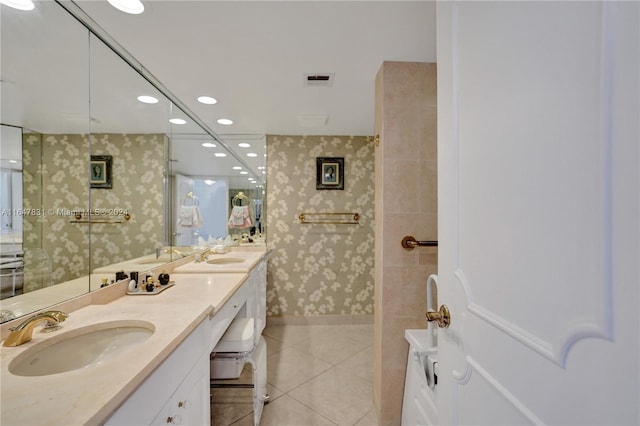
319,269
55,176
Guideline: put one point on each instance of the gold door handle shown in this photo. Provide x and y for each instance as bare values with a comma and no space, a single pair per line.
441,317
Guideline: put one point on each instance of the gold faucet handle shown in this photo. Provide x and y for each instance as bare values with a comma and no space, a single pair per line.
58,316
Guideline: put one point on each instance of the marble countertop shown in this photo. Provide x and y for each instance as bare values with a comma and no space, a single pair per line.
92,394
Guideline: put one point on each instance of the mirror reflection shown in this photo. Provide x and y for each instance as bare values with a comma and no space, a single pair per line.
96,181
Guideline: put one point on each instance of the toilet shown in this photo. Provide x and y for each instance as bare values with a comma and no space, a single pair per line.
420,402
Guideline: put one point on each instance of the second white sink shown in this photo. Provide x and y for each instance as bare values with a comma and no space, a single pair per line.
81,348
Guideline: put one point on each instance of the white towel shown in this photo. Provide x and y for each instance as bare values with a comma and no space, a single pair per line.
190,217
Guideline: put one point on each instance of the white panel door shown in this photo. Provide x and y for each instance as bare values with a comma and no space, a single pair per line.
538,191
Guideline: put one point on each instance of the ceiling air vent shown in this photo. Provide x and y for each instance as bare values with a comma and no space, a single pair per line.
319,79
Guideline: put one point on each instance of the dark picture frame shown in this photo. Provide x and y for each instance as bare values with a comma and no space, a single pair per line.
329,172
100,171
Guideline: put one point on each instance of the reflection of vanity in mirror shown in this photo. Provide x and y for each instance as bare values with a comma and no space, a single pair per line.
67,96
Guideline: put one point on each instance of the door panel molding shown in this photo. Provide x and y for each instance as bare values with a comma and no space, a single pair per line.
505,402
589,317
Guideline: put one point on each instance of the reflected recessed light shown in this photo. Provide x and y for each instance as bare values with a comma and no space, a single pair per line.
209,182
220,154
209,145
244,145
207,100
261,167
252,154
19,4
178,121
237,168
147,99
225,121
133,7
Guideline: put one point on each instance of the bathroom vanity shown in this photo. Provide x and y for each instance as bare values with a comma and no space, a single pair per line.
163,380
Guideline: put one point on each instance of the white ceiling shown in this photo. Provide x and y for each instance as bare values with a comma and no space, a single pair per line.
251,56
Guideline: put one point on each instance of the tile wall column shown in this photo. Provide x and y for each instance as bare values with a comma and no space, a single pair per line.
405,204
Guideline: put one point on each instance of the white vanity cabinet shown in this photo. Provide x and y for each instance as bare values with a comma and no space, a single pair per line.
189,405
177,392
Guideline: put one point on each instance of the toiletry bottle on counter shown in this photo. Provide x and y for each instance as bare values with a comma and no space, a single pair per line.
150,285
133,284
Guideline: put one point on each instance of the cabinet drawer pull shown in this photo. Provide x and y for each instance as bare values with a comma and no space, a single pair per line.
174,420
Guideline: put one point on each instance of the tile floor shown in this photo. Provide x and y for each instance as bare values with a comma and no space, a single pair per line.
316,375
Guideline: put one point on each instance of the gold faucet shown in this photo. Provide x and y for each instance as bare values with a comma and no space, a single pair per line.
23,333
176,251
203,256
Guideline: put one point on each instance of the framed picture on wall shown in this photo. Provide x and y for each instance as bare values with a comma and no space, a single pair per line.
329,173
100,171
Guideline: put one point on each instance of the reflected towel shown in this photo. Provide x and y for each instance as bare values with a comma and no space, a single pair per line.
189,216
240,217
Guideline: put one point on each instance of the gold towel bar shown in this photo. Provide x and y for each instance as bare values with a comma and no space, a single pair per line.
353,220
78,219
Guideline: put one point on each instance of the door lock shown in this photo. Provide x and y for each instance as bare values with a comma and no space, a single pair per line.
441,317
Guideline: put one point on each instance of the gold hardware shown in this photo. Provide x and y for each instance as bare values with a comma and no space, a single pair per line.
442,317
23,333
375,139
78,219
354,221
410,243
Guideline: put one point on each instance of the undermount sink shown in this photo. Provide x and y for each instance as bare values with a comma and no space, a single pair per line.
81,348
226,260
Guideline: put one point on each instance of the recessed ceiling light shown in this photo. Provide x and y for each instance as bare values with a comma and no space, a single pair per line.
209,182
19,4
225,121
237,168
220,154
178,121
244,145
147,99
209,145
133,7
207,100
261,167
13,161
252,154
244,173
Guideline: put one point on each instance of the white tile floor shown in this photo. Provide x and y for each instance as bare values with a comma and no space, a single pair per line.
316,374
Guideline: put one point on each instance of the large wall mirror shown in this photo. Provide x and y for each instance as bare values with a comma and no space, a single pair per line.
95,179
